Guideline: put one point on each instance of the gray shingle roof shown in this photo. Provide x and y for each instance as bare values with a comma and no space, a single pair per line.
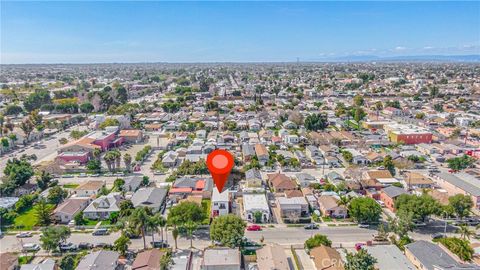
430,254
393,191
99,260
151,197
461,183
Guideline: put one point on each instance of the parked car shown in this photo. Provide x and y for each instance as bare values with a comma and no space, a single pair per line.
311,226
101,231
24,235
159,244
438,235
359,246
102,245
85,245
363,225
254,228
30,247
68,247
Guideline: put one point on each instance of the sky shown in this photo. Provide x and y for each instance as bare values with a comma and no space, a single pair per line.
122,31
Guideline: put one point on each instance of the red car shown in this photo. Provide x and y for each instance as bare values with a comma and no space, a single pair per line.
254,228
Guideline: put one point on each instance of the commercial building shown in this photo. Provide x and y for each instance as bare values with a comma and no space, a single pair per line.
407,134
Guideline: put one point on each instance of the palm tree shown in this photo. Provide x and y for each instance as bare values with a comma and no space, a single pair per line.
2,121
345,201
465,232
127,159
190,227
13,138
118,158
138,221
109,160
152,225
27,127
96,153
174,222
162,222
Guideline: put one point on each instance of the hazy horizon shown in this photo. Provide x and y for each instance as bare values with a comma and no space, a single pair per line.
233,32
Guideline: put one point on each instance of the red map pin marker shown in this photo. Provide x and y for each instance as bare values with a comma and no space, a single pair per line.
220,163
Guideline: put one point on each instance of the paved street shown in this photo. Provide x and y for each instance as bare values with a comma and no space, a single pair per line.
345,236
45,149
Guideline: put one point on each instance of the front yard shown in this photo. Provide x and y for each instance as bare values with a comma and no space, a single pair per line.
25,220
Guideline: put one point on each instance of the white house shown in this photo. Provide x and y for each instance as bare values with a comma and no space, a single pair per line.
102,207
358,158
253,203
291,139
220,203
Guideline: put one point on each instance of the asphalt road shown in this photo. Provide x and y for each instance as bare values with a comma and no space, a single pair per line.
346,236
45,149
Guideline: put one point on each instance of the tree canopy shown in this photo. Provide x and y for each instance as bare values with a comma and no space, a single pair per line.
360,261
420,206
317,240
228,230
316,122
186,211
364,210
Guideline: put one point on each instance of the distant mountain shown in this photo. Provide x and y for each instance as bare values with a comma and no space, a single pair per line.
412,58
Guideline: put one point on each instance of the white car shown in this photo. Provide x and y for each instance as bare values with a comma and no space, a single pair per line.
24,235
31,247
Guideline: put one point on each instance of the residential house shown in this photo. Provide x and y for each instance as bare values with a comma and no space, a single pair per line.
305,179
256,202
292,209
262,154
326,258
170,159
253,178
66,211
47,264
221,259
389,194
148,260
389,257
330,208
291,139
460,183
335,178
357,157
254,125
220,203
377,179
312,152
132,183
428,256
100,260
413,180
184,186
248,152
280,182
272,256
151,197
89,188
8,261
289,125
131,135
102,207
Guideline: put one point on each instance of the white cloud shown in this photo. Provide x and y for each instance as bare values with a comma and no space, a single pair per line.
400,48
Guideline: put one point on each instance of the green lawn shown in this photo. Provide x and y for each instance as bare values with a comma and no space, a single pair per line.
206,203
24,259
90,222
70,185
25,220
